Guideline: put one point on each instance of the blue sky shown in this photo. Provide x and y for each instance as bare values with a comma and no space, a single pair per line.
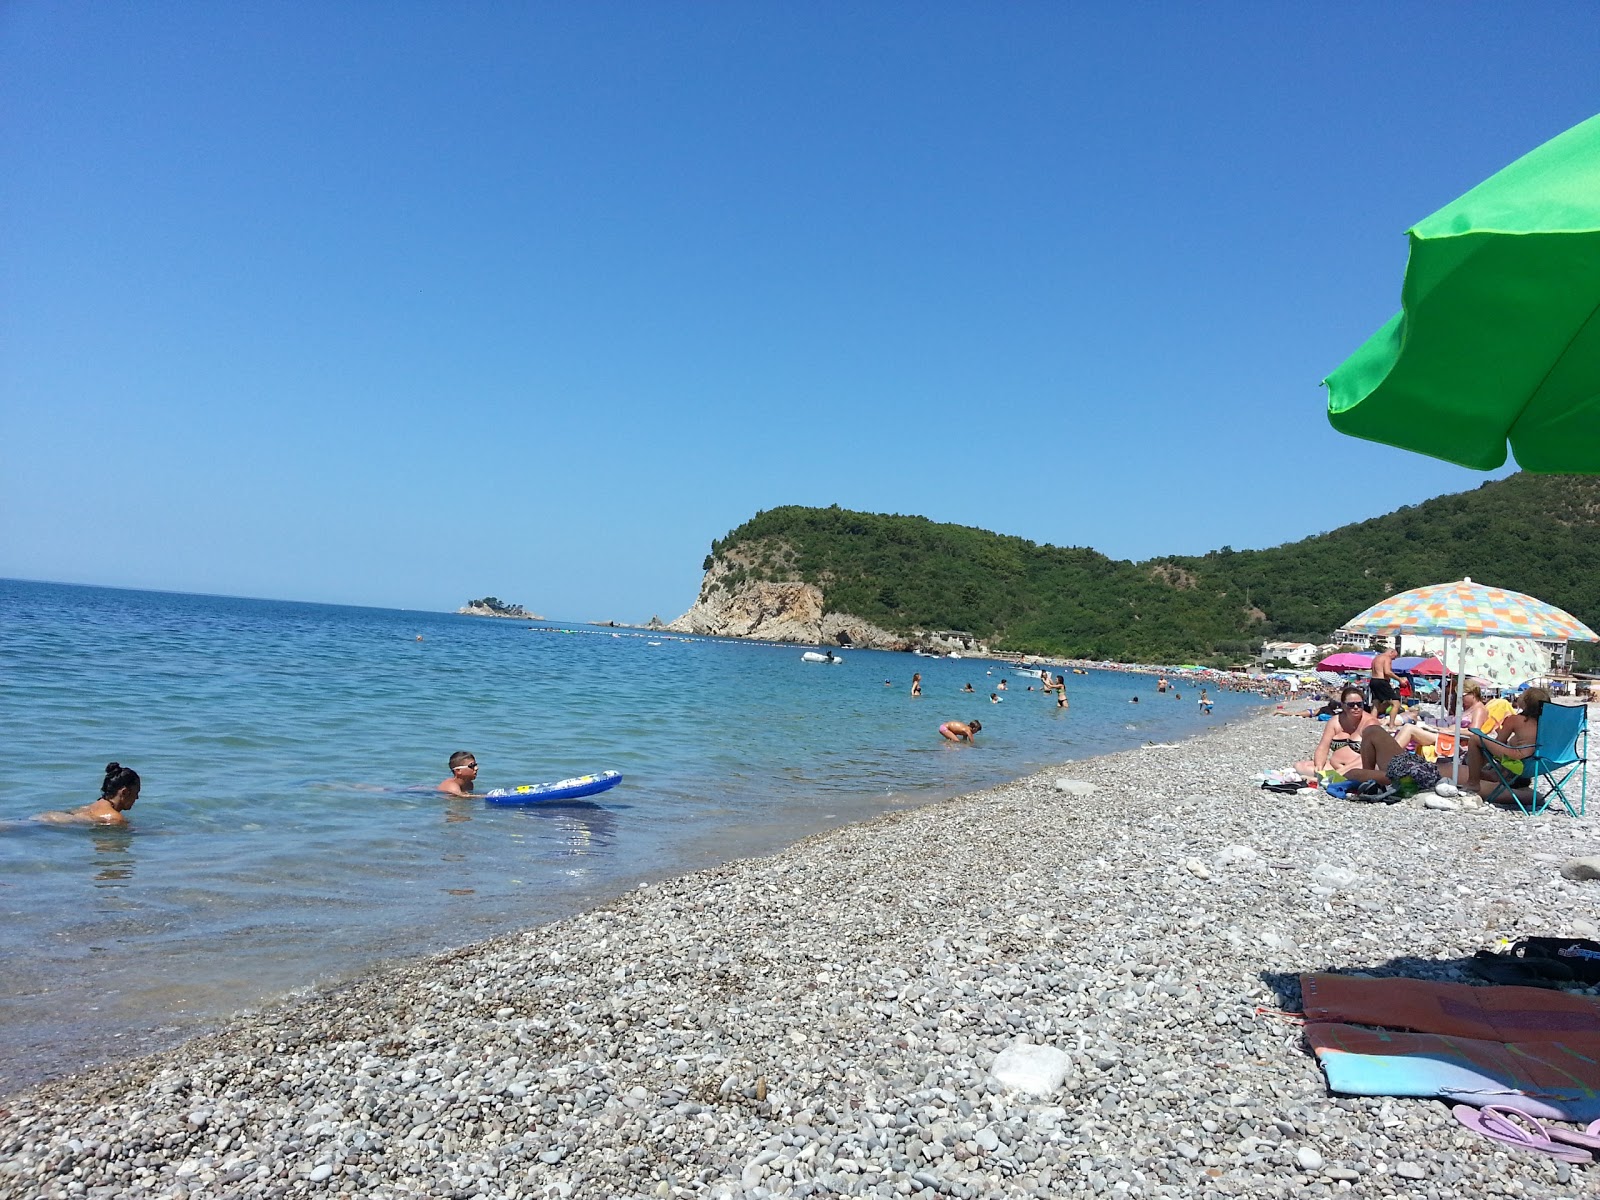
401,304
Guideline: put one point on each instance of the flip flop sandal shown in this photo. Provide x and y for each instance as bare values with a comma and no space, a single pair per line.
1513,1127
1588,1138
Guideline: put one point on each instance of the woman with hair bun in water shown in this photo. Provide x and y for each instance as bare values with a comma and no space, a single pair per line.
118,792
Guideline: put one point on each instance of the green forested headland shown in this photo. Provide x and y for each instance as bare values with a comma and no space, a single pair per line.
1532,533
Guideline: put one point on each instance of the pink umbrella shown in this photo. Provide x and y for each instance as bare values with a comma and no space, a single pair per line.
1346,660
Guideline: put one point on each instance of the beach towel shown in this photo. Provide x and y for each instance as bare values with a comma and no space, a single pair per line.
1496,1014
1548,1079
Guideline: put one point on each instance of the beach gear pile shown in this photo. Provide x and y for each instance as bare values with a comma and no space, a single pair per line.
1510,1059
1287,782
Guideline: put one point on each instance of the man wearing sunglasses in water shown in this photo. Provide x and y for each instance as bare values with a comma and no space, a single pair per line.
463,772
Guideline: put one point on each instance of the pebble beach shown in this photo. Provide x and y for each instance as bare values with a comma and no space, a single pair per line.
825,1021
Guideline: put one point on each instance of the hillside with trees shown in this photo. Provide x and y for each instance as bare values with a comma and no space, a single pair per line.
1532,533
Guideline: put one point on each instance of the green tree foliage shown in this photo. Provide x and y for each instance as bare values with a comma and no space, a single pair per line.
1532,533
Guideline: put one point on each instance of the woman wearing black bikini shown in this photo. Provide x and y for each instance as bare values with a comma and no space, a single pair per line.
1340,747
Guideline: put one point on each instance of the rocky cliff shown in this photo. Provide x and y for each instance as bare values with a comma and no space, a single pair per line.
731,604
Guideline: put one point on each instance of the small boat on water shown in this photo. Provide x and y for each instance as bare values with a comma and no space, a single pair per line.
813,657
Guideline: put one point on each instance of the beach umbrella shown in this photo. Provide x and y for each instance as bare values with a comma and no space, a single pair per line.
1418,666
1501,661
1346,660
1498,335
1465,610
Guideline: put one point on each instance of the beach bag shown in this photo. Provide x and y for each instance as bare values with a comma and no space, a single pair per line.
1542,962
1410,764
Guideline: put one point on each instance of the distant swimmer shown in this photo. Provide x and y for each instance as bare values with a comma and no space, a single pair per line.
1205,701
959,731
888,683
993,699
916,684
968,688
1135,700
1161,684
1001,685
117,795
419,637
463,772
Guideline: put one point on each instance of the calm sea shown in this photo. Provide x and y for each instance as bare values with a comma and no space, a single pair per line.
274,847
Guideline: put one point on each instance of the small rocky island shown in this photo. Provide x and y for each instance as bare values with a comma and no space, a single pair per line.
493,606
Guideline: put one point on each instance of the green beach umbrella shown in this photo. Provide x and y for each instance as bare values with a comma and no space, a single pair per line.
1498,335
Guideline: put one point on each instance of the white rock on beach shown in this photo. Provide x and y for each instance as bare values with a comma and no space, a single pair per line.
1038,1070
1075,787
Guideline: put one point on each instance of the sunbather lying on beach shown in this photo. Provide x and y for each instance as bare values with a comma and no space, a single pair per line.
463,772
958,731
117,795
1342,745
1473,714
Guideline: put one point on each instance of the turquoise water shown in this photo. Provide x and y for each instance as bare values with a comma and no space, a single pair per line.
272,849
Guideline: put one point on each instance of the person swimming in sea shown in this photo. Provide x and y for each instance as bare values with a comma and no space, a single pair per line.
916,684
968,688
993,698
118,792
959,731
463,773
1205,701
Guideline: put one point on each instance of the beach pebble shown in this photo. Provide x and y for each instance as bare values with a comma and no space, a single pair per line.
1411,1170
1038,1070
320,1172
1308,1158
1581,868
1440,803
1075,787
1332,878
1197,868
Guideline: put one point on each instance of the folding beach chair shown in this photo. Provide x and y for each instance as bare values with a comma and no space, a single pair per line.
1562,749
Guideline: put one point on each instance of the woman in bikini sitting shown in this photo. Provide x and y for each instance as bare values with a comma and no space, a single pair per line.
1512,745
117,794
1341,744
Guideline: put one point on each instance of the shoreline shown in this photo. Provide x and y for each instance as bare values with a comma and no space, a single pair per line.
821,1020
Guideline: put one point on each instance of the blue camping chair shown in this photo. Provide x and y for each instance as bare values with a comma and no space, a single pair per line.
1562,749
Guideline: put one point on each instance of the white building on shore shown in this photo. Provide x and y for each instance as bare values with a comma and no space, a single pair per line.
1296,654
